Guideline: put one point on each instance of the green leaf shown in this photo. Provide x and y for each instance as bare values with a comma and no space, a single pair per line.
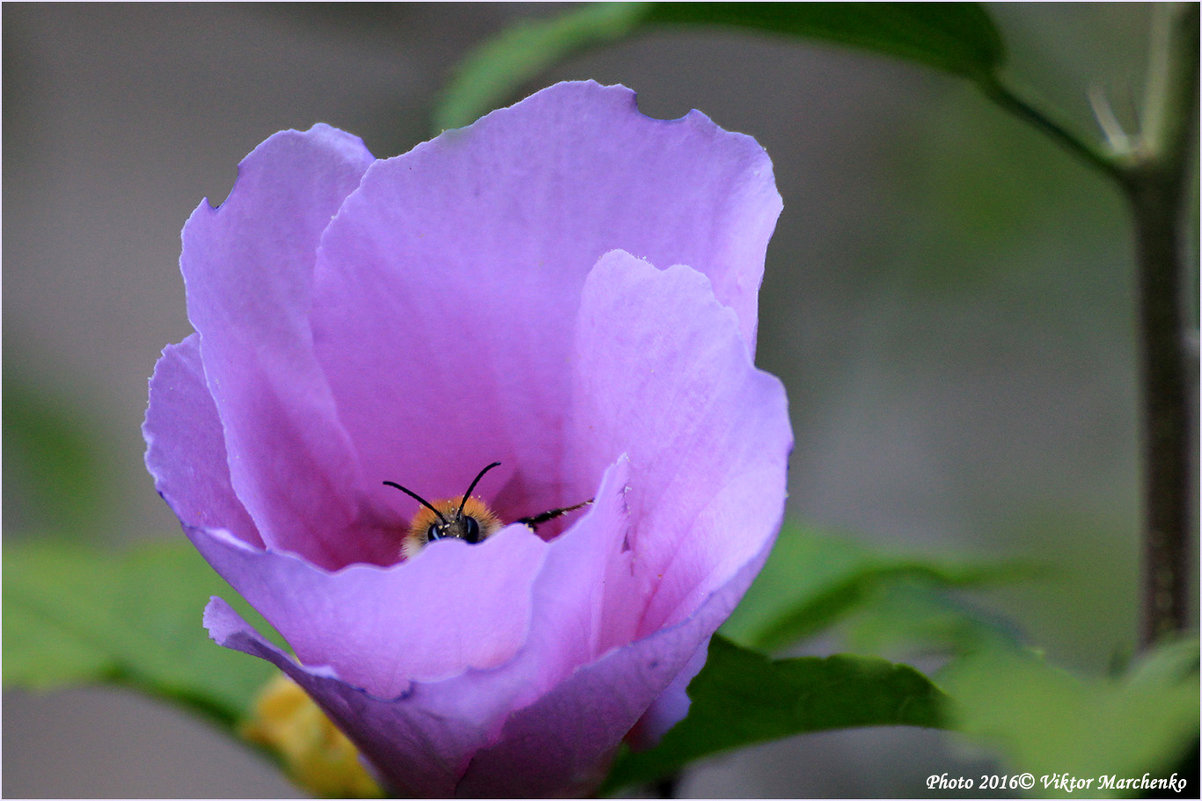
908,618
492,73
742,697
814,579
1047,721
53,474
74,615
959,38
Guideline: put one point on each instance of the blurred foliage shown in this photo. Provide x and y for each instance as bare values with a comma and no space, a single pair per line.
987,194
52,461
915,619
490,75
958,38
1042,719
742,697
1047,721
76,615
813,580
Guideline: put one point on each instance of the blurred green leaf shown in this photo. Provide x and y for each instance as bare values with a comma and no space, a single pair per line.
1047,721
75,615
53,476
742,697
492,73
906,619
959,38
814,579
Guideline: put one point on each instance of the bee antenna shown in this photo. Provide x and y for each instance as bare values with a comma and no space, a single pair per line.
418,498
472,486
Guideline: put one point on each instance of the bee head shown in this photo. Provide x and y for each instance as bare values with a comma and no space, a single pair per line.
465,518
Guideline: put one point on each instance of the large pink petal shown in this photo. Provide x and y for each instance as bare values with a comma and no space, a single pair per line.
558,745
455,607
583,600
185,451
535,609
662,374
419,752
447,287
248,268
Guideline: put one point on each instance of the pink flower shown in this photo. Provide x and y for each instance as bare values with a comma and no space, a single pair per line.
567,287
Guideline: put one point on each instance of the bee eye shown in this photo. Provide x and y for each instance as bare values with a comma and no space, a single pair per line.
471,530
434,532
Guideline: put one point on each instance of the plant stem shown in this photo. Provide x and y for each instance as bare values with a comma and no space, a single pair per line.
1153,177
1151,171
1165,431
1006,98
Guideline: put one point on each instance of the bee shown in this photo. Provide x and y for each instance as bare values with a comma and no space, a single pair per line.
467,518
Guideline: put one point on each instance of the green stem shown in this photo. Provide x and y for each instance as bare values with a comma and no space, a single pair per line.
1006,98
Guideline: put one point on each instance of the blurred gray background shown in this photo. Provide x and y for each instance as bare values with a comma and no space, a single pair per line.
948,299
